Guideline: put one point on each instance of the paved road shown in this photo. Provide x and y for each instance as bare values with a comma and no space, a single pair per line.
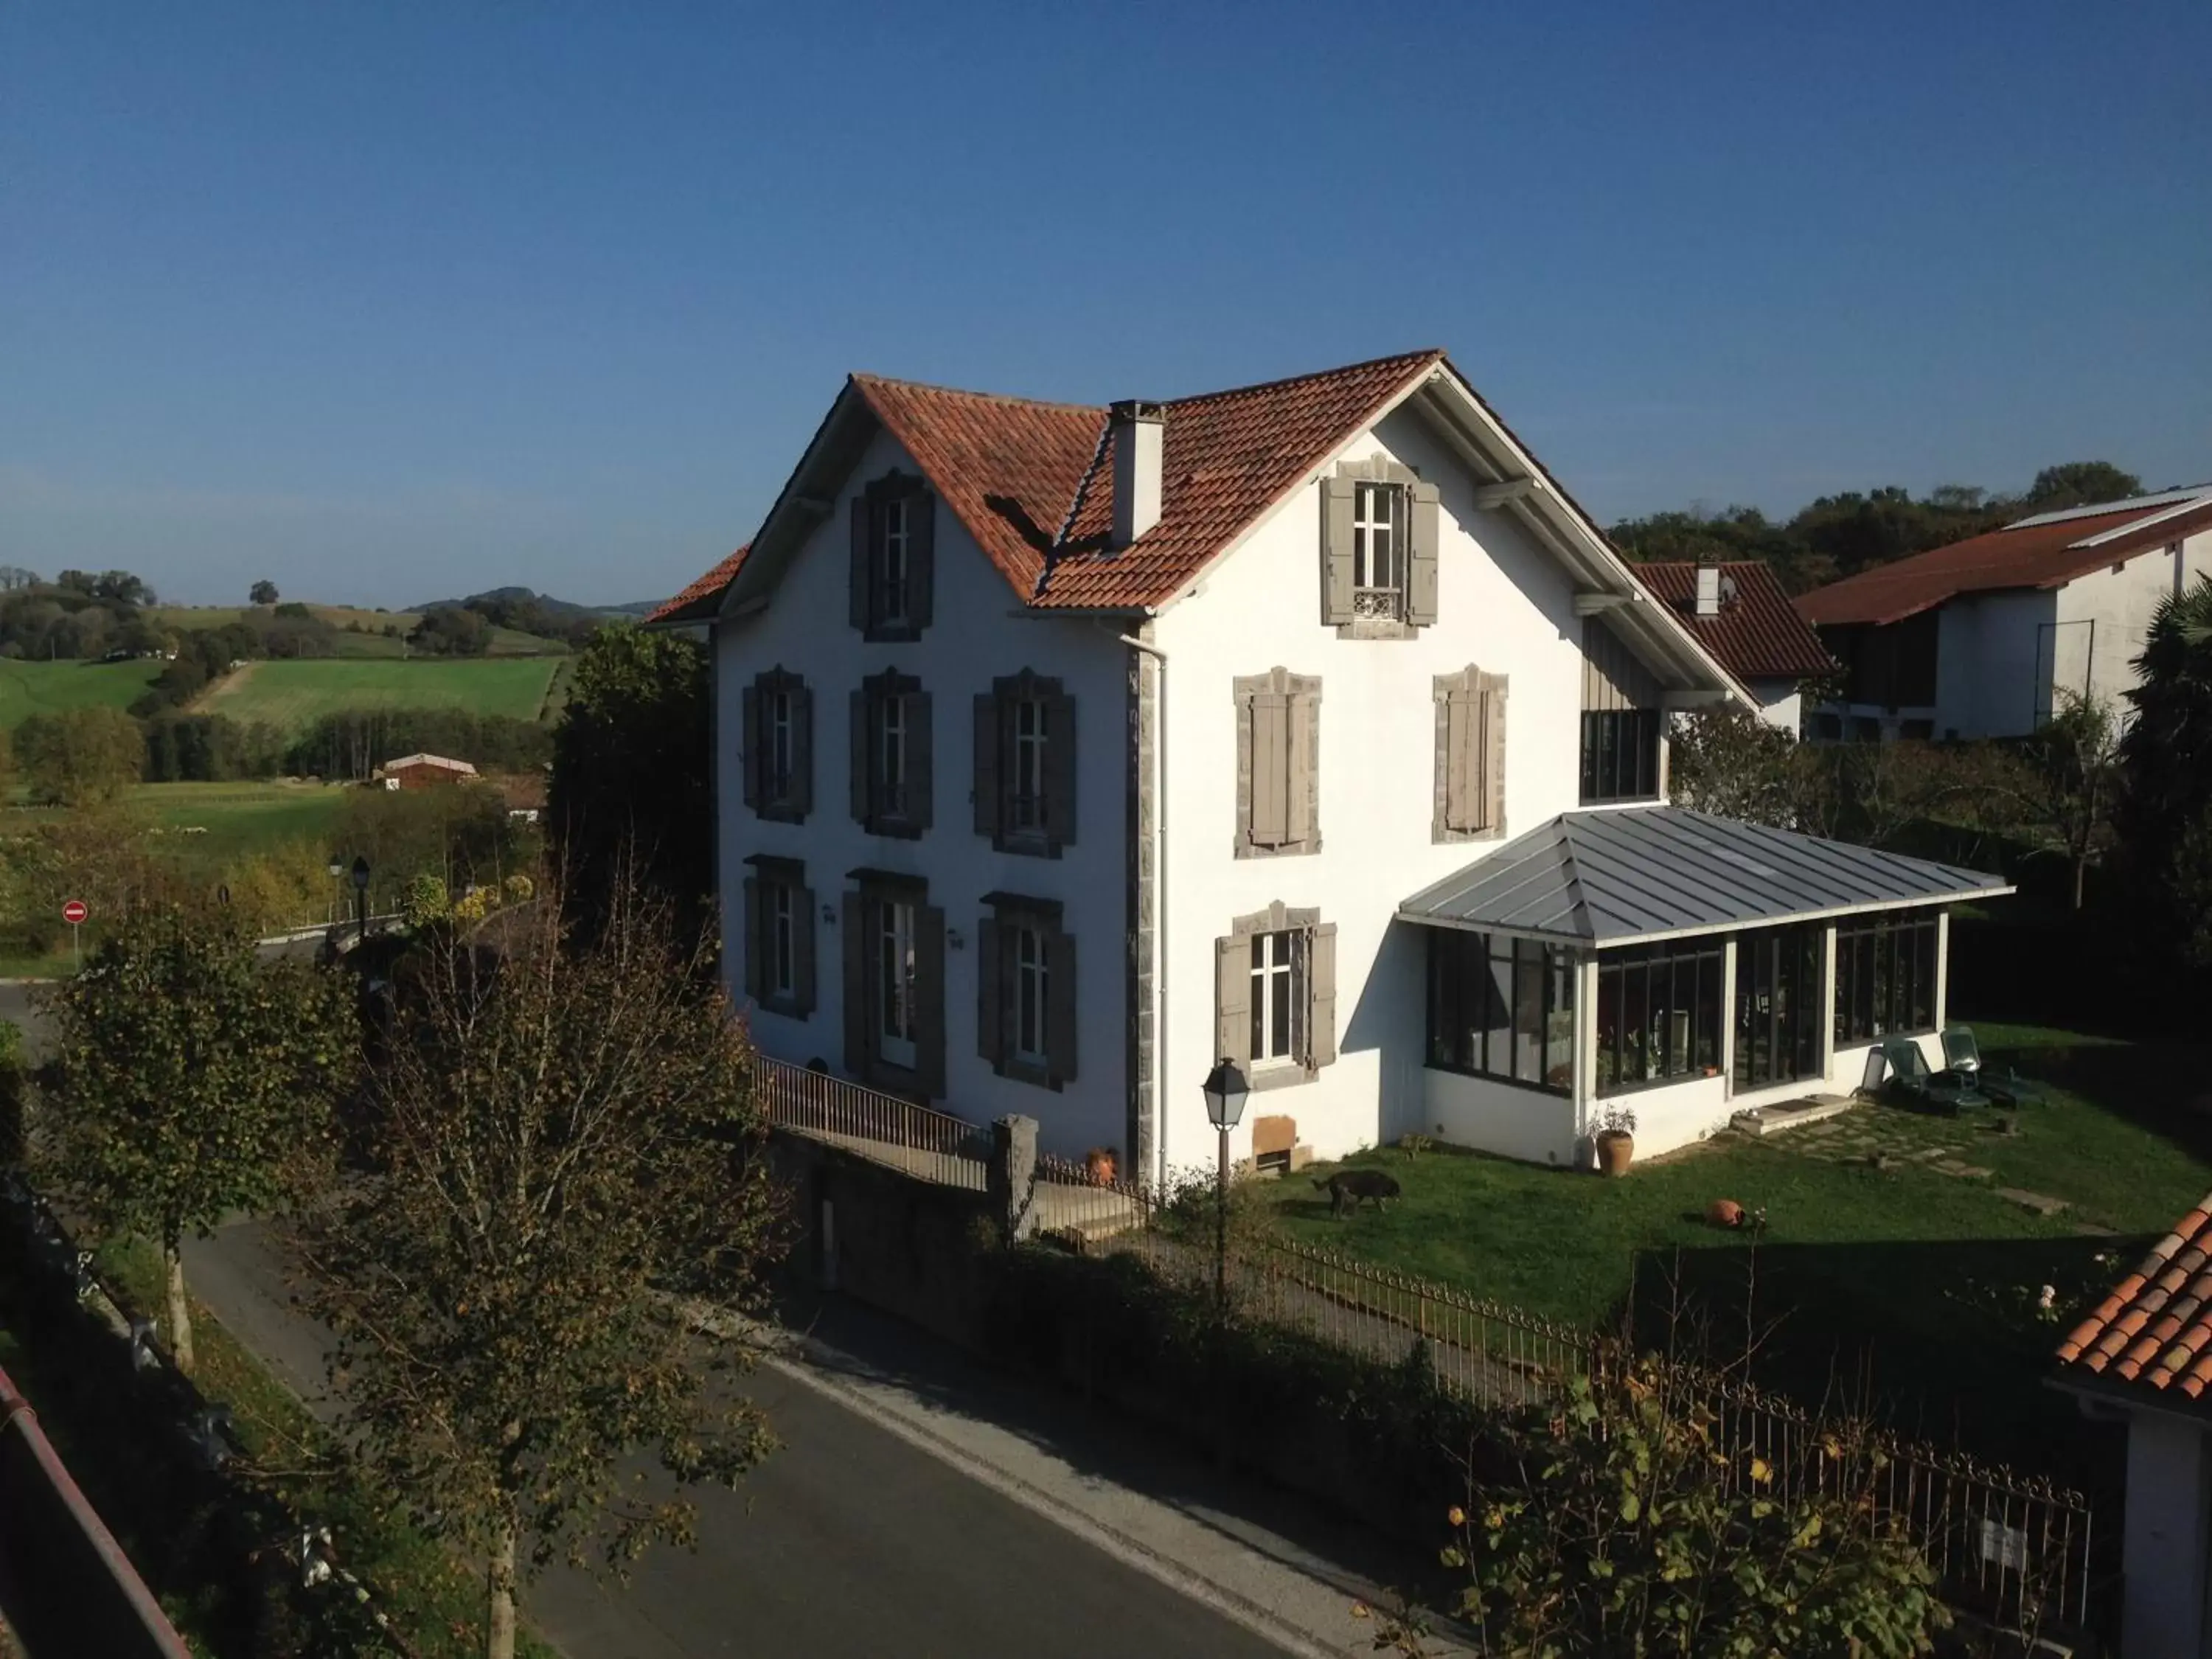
847,1541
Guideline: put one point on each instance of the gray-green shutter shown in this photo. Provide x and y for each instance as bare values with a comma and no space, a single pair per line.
921,558
863,525
988,819
1302,784
1321,996
1059,1005
1271,743
802,949
1059,769
1232,998
1421,560
1336,589
990,991
929,1001
750,737
756,953
1494,757
921,761
863,760
801,798
856,985
1463,758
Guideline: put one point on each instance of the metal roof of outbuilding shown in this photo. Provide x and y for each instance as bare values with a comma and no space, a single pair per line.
1628,874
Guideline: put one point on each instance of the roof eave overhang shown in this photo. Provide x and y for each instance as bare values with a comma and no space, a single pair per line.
2095,1388
805,500
1660,936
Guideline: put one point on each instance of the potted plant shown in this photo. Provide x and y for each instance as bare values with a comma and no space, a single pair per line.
1098,1164
1616,1139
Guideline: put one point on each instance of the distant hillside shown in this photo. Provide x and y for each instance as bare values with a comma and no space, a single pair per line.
500,598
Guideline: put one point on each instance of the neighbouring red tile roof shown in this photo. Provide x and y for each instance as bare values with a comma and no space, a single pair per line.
2024,555
697,602
1011,468
1757,634
2153,1329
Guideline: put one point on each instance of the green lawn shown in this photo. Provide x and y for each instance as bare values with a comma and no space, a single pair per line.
293,695
47,688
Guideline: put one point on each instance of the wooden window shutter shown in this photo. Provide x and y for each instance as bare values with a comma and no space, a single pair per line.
801,798
802,949
1321,996
920,558
1336,593
1464,756
987,818
921,761
861,597
990,991
929,999
1059,1005
857,1045
1232,998
755,945
1301,791
1059,769
1270,744
1421,557
1493,754
864,760
750,737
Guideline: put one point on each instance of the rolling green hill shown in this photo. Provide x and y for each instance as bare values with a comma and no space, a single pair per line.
47,688
371,642
294,695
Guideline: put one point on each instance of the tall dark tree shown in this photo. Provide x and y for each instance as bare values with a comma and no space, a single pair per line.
631,773
2079,483
264,592
2164,819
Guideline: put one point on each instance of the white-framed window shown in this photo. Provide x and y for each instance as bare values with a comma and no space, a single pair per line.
1275,994
782,745
1378,549
892,773
1028,801
783,922
895,967
1031,985
892,562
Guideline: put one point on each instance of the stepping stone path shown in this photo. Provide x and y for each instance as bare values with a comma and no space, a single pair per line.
2040,1203
1862,1135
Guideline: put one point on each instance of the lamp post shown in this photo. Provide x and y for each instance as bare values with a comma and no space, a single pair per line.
1225,1089
361,898
337,875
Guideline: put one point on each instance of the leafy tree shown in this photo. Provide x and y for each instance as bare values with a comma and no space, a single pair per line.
566,1167
187,1075
1730,762
14,576
2163,815
2072,775
2079,483
630,763
80,757
448,631
263,592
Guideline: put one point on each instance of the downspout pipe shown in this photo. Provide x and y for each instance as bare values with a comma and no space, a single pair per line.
1159,910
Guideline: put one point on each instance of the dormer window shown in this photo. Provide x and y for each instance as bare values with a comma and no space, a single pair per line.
1378,551
894,535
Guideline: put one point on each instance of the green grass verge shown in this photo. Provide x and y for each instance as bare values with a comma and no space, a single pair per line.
219,823
293,695
49,688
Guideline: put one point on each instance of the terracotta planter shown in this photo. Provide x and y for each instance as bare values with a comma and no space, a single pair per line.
1098,1164
1615,1148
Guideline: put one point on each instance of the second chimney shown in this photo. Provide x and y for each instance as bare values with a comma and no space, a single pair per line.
1139,433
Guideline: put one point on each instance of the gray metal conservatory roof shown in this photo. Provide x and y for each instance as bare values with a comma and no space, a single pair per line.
1647,873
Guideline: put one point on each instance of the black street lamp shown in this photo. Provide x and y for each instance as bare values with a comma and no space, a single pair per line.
360,898
1225,1089
337,875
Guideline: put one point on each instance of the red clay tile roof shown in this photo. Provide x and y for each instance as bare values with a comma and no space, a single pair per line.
2018,556
2152,1330
1756,635
697,602
1011,468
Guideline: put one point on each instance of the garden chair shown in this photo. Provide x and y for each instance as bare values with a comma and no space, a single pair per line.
1963,1056
1908,1077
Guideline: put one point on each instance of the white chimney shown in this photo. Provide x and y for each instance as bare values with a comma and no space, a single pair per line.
1709,590
1140,433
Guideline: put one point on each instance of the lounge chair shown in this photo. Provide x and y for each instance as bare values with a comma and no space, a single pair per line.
1963,1056
1908,1077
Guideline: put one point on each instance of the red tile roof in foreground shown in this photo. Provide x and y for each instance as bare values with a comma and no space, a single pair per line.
697,602
2026,554
2154,1328
1011,468
1756,635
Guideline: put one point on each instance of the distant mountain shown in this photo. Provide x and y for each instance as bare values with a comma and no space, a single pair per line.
511,598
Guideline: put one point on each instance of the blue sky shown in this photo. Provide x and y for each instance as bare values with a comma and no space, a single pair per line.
396,300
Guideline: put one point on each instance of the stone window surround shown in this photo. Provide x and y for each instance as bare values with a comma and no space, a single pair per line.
1468,681
1277,917
792,806
995,768
870,887
922,530
1380,469
771,871
1043,916
1281,682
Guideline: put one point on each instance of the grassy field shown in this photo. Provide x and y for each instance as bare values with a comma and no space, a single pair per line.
221,821
371,641
293,695
47,688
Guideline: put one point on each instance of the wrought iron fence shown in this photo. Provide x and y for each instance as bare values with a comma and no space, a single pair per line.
929,1145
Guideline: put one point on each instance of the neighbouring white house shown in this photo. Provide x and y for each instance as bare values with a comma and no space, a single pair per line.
1746,622
1063,751
2144,1358
1987,637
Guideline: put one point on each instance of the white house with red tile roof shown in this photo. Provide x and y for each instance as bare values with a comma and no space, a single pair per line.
1065,751
1740,614
1987,637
